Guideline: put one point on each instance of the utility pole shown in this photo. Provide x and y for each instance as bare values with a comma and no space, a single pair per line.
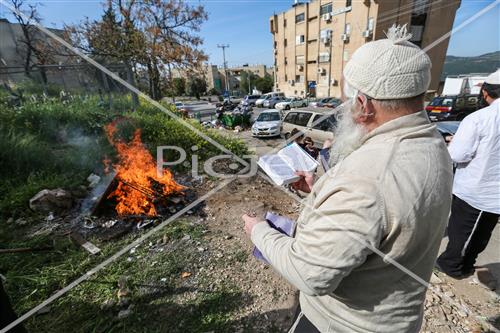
223,47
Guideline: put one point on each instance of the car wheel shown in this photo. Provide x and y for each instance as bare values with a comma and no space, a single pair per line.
304,105
287,136
287,107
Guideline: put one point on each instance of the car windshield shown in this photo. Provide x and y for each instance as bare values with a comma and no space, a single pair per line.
289,100
269,116
441,101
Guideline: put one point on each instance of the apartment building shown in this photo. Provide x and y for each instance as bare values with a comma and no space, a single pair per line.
314,40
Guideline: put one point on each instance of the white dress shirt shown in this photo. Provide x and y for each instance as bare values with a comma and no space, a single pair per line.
476,150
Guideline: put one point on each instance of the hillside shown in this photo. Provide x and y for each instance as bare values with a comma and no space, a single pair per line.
486,63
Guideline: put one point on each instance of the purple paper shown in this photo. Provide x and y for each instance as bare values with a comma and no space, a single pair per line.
282,224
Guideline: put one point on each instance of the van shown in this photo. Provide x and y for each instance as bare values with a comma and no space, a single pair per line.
452,107
263,98
308,122
249,100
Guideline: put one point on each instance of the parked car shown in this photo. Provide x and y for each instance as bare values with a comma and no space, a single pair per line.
179,105
271,102
292,102
308,122
263,98
452,107
332,103
249,100
320,102
267,124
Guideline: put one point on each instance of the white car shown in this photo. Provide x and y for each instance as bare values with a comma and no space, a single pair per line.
179,105
292,102
267,124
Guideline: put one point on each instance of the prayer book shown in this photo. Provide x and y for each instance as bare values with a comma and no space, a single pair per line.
282,224
281,167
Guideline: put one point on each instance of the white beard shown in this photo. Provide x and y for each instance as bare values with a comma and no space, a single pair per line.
347,135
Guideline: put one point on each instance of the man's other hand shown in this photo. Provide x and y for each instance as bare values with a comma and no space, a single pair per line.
250,222
305,183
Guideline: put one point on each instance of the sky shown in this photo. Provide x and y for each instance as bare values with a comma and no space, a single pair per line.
244,25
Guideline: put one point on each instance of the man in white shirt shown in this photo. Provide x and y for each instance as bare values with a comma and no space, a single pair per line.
476,188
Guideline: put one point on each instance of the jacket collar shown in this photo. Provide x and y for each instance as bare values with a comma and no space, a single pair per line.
398,126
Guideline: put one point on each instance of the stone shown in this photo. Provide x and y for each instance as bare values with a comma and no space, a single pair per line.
10,220
124,313
56,200
21,221
93,180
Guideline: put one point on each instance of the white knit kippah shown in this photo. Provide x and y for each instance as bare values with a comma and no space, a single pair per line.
390,68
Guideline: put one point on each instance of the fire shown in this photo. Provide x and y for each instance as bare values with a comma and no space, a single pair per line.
138,181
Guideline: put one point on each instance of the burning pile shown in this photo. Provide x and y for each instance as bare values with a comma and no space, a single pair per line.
139,185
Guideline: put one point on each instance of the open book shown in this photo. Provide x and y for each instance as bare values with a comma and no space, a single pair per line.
281,167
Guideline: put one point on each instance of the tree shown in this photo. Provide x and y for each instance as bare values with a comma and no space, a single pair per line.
34,49
154,35
196,87
179,86
264,84
247,82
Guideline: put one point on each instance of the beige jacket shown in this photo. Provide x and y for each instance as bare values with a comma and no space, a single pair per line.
392,195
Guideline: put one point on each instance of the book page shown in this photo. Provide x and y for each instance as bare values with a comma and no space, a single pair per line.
297,158
277,168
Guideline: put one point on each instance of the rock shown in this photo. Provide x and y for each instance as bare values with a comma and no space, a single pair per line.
10,220
435,279
21,221
124,313
186,238
93,180
51,201
449,294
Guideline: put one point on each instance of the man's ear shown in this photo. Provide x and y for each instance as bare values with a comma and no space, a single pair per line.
367,109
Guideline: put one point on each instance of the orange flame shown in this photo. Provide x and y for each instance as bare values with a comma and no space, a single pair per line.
136,173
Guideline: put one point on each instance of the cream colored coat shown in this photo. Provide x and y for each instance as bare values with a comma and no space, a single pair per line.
392,195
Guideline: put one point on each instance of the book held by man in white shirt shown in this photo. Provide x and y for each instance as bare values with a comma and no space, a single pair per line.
281,167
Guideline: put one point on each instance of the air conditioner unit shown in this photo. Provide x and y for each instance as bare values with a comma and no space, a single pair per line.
344,37
300,67
275,51
291,82
327,17
325,40
367,33
321,70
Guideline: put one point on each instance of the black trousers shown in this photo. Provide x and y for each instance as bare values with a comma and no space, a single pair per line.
301,324
469,231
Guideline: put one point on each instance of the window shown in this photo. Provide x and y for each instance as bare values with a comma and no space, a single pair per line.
285,42
299,78
284,23
327,124
275,44
299,60
286,61
325,9
347,28
311,61
302,118
299,39
290,117
348,3
324,57
300,18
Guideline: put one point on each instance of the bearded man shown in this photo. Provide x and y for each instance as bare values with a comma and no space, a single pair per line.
369,231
